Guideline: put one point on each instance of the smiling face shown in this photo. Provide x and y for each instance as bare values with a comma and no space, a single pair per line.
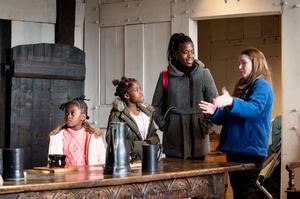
74,117
245,66
135,94
186,54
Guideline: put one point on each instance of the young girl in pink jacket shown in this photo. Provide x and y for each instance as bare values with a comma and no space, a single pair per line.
81,142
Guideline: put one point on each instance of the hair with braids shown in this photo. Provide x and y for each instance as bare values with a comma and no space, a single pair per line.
260,68
79,102
174,44
122,86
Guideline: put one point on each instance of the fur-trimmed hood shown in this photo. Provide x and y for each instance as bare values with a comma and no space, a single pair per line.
120,106
91,129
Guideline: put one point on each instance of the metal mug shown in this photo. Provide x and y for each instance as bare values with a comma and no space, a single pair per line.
56,160
151,155
13,163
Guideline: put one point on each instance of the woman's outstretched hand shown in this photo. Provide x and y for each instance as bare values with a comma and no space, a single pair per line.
219,102
208,108
225,99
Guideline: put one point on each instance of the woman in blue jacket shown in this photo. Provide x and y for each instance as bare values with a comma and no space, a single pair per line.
246,118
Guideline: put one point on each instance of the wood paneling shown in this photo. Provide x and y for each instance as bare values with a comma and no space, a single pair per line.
135,12
145,46
112,61
134,52
55,75
156,41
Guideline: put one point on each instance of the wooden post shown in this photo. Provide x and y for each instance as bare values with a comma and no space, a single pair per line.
5,45
65,21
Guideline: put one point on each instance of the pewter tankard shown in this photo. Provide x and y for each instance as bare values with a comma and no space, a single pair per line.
117,154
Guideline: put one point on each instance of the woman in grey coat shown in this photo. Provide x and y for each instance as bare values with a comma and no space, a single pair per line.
176,97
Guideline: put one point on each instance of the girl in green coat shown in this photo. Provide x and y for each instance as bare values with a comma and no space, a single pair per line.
130,108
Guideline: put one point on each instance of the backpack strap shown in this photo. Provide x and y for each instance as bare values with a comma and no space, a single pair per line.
165,79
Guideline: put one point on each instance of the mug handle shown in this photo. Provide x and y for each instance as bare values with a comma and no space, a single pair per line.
159,149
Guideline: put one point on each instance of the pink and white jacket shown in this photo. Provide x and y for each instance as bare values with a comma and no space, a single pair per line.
95,148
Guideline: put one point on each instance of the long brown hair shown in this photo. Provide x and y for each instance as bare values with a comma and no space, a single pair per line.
260,69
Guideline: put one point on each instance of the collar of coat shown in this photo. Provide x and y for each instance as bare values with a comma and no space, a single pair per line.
119,106
91,129
199,66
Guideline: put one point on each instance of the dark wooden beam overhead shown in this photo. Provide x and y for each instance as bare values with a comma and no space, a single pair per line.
65,21
5,46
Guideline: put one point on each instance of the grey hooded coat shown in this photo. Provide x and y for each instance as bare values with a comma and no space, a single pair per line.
185,128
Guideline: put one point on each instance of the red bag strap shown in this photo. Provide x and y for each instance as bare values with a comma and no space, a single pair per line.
165,79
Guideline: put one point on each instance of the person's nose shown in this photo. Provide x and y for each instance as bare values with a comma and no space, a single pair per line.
240,66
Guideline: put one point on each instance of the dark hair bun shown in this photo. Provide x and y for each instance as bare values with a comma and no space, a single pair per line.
115,82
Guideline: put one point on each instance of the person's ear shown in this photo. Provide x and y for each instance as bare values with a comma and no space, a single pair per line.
126,96
83,116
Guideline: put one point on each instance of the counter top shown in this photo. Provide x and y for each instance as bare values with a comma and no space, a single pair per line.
92,176
175,177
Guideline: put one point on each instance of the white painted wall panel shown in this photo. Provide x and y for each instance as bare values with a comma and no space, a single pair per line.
155,44
92,57
115,1
134,52
135,12
203,9
112,61
78,37
29,10
180,16
30,32
79,13
155,11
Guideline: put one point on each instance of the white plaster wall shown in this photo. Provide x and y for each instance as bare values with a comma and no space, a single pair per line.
29,10
33,21
31,32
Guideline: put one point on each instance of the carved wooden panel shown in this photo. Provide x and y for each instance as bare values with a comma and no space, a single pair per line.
210,186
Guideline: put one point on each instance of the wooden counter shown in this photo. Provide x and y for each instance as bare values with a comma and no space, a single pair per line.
176,178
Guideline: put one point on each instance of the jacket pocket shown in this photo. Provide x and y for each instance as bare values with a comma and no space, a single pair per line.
205,125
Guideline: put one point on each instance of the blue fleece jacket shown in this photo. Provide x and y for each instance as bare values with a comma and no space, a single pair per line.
246,124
